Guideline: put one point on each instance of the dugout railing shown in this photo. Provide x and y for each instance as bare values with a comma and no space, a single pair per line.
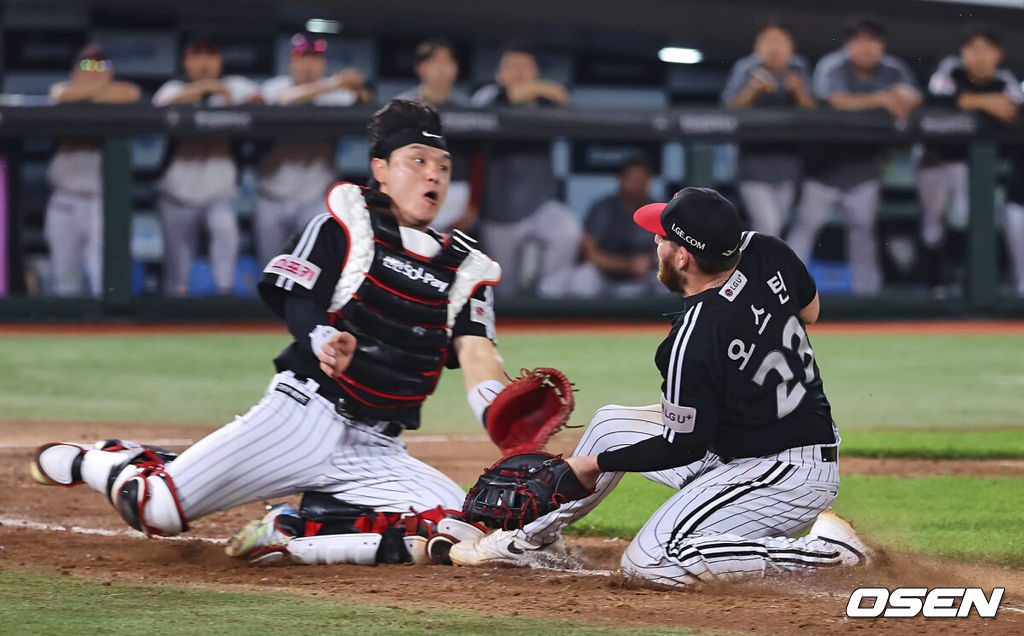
694,128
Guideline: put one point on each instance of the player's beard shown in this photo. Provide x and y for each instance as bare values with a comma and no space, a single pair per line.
670,278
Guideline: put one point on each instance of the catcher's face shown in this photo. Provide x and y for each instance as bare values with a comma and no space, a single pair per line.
416,178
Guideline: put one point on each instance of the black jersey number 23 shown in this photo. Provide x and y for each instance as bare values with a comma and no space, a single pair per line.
795,347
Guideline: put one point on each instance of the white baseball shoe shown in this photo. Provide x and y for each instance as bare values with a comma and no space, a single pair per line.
505,547
832,528
58,464
261,541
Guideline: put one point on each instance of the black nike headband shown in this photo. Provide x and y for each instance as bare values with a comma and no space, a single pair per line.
406,136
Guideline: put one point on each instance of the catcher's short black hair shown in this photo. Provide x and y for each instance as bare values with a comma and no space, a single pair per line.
864,24
981,30
398,114
427,48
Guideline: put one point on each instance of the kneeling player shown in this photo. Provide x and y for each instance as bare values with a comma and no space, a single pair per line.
744,431
378,304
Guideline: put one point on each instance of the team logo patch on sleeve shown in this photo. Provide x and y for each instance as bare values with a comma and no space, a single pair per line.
677,418
293,268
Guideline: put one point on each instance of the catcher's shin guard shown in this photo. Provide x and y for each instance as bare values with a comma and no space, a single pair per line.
328,530
358,549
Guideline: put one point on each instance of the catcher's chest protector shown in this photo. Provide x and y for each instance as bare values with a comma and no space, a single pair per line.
399,294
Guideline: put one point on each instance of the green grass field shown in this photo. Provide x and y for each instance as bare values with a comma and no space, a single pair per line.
34,604
882,388
896,396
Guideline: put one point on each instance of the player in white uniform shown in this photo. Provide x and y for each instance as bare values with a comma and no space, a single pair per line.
378,304
74,213
295,175
744,431
199,186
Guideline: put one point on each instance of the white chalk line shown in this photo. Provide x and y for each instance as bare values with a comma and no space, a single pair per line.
134,534
413,439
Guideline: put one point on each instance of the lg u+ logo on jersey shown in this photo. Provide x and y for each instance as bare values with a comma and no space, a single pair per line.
412,272
939,602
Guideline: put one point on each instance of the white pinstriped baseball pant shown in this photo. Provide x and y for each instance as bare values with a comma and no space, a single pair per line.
283,447
728,520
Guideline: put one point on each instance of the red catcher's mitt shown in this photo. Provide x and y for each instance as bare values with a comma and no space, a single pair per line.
530,410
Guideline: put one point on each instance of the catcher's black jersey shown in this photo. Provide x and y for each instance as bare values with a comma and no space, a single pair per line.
317,256
739,372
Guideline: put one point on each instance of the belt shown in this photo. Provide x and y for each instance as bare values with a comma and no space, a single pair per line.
828,454
388,428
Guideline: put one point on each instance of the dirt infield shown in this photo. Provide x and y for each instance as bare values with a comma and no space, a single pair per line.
74,532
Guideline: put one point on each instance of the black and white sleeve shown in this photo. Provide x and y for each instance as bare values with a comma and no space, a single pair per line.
690,404
475,319
308,267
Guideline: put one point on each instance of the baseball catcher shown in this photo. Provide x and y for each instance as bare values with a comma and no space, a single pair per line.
378,305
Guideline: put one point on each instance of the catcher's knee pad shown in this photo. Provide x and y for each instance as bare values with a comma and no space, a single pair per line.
147,499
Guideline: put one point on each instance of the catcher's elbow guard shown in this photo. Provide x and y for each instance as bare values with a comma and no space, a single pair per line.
481,396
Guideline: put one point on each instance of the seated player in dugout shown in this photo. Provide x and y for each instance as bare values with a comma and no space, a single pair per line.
378,304
743,432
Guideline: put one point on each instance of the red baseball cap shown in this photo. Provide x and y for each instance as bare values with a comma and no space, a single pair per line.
700,219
